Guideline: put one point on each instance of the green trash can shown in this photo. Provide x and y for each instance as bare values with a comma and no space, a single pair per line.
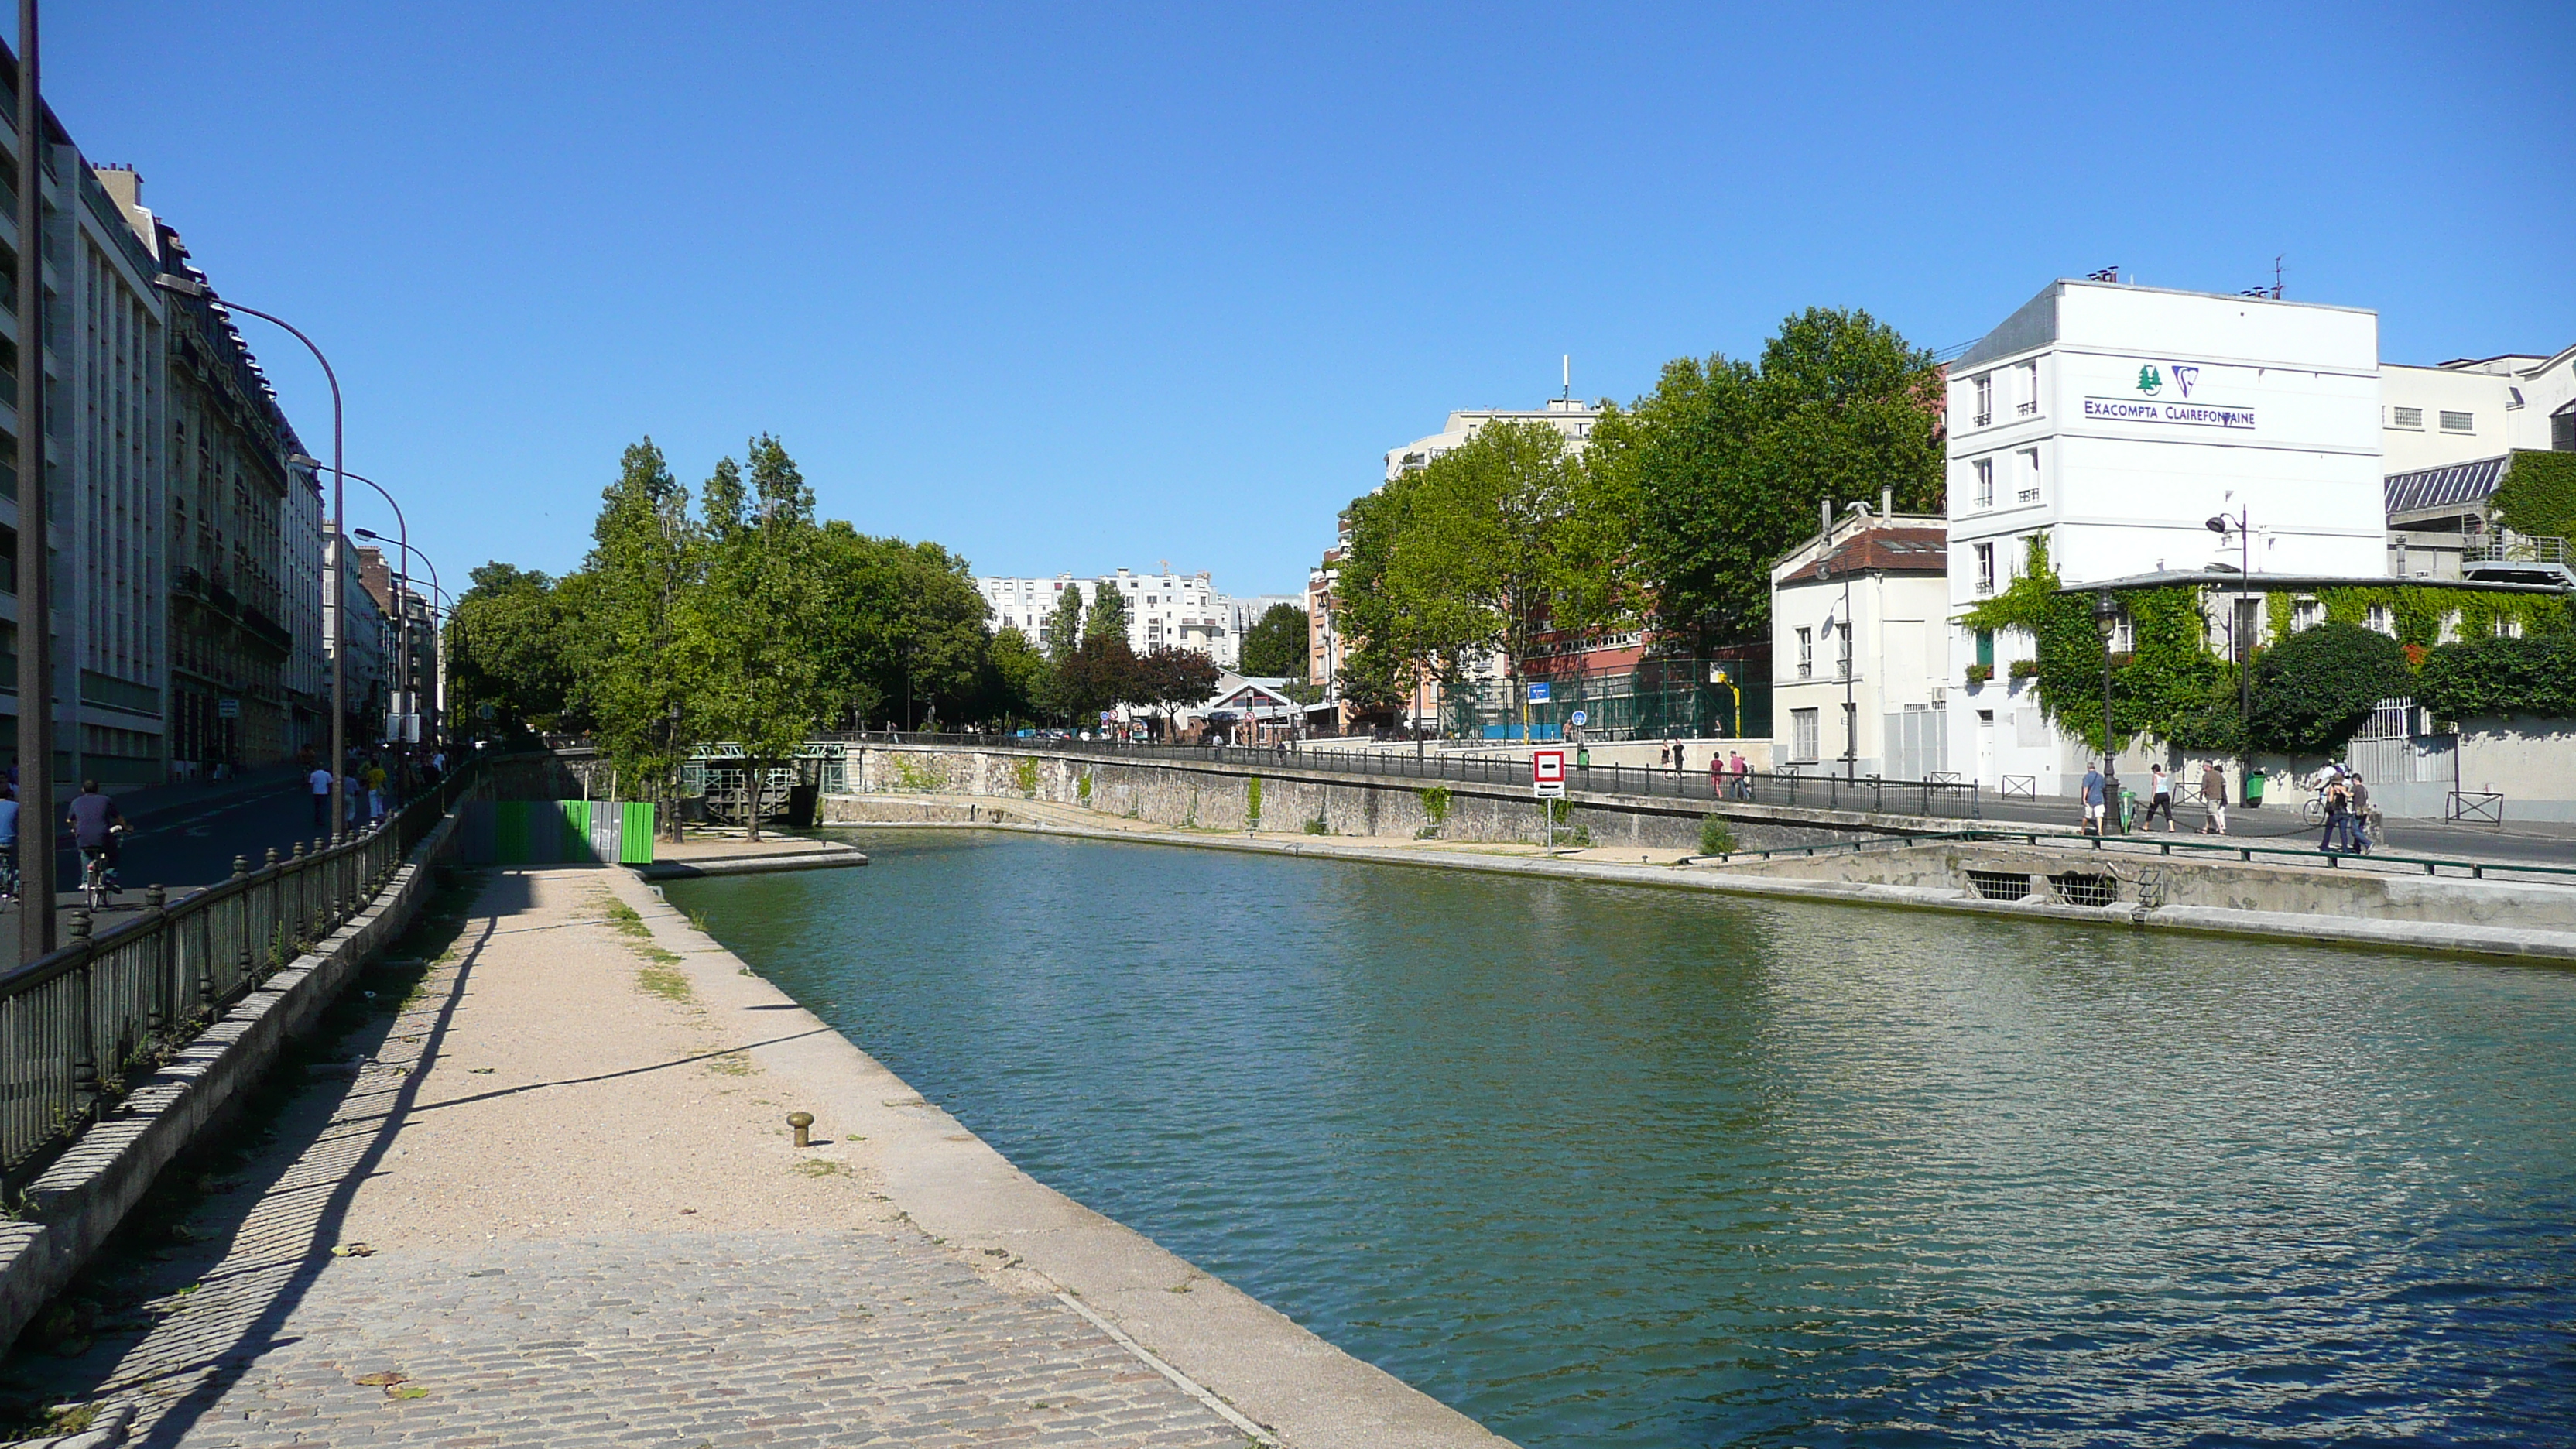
2253,789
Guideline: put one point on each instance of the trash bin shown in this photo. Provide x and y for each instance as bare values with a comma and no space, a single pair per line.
2253,789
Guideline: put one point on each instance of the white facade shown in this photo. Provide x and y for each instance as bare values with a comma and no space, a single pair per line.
1859,673
1182,611
2115,421
2431,417
1567,415
307,676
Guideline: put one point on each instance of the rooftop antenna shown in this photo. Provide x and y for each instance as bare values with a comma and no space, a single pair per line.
1568,394
2106,274
2276,296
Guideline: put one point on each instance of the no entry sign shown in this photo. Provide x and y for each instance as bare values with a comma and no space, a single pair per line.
1547,771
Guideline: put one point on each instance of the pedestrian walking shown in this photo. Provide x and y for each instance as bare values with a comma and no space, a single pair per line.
319,782
1742,770
2159,797
1663,757
2357,823
1679,765
1716,775
2213,799
2092,797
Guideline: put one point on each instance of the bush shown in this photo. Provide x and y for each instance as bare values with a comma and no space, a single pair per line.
1252,803
1317,826
2480,677
2313,689
2025,669
1980,673
1715,836
1435,806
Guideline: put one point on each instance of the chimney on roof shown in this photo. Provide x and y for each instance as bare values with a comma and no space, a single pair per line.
1824,518
1887,502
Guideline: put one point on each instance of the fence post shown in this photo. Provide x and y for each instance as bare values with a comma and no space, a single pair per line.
165,989
84,1030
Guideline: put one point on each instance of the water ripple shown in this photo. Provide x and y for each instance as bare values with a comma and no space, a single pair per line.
1610,1167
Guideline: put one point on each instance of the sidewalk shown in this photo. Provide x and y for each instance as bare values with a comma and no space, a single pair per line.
551,1199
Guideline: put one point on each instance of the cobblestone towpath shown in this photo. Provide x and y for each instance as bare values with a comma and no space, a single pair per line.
541,1194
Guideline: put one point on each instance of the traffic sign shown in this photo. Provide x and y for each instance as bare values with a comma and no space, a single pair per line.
1547,772
228,709
1538,692
1579,718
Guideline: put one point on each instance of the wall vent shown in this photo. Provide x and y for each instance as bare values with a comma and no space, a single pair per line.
1999,885
2077,888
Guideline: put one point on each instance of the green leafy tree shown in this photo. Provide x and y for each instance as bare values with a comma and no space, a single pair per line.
2313,689
1098,676
1383,659
623,619
906,629
1726,461
750,627
1168,678
506,649
1063,628
1023,681
1107,618
1275,645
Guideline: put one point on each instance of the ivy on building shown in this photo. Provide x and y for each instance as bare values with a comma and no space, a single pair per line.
2169,685
2537,495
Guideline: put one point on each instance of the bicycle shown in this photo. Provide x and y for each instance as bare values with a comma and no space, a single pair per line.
99,885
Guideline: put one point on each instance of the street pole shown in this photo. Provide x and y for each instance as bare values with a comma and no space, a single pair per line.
338,543
402,586
2106,615
35,596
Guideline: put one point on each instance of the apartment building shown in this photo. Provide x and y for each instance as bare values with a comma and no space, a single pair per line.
1568,415
2469,409
1860,676
1165,609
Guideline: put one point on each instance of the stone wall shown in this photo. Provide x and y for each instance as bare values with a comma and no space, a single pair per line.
1210,796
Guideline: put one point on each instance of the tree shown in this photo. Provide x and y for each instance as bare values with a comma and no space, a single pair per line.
905,628
1022,681
1275,645
749,641
1726,461
1063,628
505,649
1107,618
1098,676
2313,689
1169,677
622,620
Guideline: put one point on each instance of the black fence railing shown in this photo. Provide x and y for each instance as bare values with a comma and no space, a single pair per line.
1940,799
77,1025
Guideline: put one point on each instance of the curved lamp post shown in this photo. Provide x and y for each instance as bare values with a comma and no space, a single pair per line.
185,286
437,589
2243,649
2106,618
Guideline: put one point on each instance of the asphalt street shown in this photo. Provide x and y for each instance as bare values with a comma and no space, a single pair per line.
182,845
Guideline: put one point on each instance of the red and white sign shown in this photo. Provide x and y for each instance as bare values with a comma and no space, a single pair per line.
1547,771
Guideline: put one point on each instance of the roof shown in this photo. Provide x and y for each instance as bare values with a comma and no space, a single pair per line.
2448,486
1882,550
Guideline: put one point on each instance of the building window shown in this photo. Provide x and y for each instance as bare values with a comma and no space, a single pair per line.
1842,648
1986,647
2562,430
1985,409
2406,417
2306,614
1806,654
2027,378
1802,734
2379,620
2457,422
1985,482
2508,628
2028,491
1985,568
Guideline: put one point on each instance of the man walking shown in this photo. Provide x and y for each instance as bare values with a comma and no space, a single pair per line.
319,782
2213,799
2092,798
2338,798
2356,827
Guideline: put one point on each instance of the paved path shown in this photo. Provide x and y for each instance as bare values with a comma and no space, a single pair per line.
549,1202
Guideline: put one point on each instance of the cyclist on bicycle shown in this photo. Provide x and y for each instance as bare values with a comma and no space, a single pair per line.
95,822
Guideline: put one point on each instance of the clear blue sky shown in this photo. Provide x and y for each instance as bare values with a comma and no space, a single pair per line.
1089,286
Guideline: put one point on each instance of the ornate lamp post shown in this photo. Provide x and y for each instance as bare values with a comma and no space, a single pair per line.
2106,618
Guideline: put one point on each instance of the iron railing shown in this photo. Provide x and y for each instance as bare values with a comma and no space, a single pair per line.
1940,798
79,1024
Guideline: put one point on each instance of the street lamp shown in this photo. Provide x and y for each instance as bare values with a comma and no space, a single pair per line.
186,286
2242,648
403,594
2106,618
35,595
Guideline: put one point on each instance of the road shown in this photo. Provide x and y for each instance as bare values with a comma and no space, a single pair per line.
182,846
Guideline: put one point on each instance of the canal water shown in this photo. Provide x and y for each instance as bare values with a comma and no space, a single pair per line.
1606,1166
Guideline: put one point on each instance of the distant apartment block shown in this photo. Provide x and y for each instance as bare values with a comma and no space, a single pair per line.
1183,611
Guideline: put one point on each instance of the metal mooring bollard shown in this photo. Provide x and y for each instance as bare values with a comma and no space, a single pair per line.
803,1122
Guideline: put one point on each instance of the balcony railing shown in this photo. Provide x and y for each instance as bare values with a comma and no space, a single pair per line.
2026,410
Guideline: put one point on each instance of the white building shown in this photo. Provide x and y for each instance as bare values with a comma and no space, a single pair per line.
2476,408
1567,415
2114,421
1860,673
1183,611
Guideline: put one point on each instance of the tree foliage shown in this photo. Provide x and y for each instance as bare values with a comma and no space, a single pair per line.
624,614
1727,460
1106,619
2492,677
2313,689
505,649
1275,646
1063,628
1168,678
2537,495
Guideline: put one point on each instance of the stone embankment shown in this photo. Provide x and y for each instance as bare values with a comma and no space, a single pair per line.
549,1194
1194,795
2132,882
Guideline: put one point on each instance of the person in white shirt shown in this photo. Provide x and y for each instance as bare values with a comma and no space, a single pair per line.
319,782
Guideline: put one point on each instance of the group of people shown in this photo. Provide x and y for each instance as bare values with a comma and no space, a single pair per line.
2347,806
370,789
2160,799
1729,776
